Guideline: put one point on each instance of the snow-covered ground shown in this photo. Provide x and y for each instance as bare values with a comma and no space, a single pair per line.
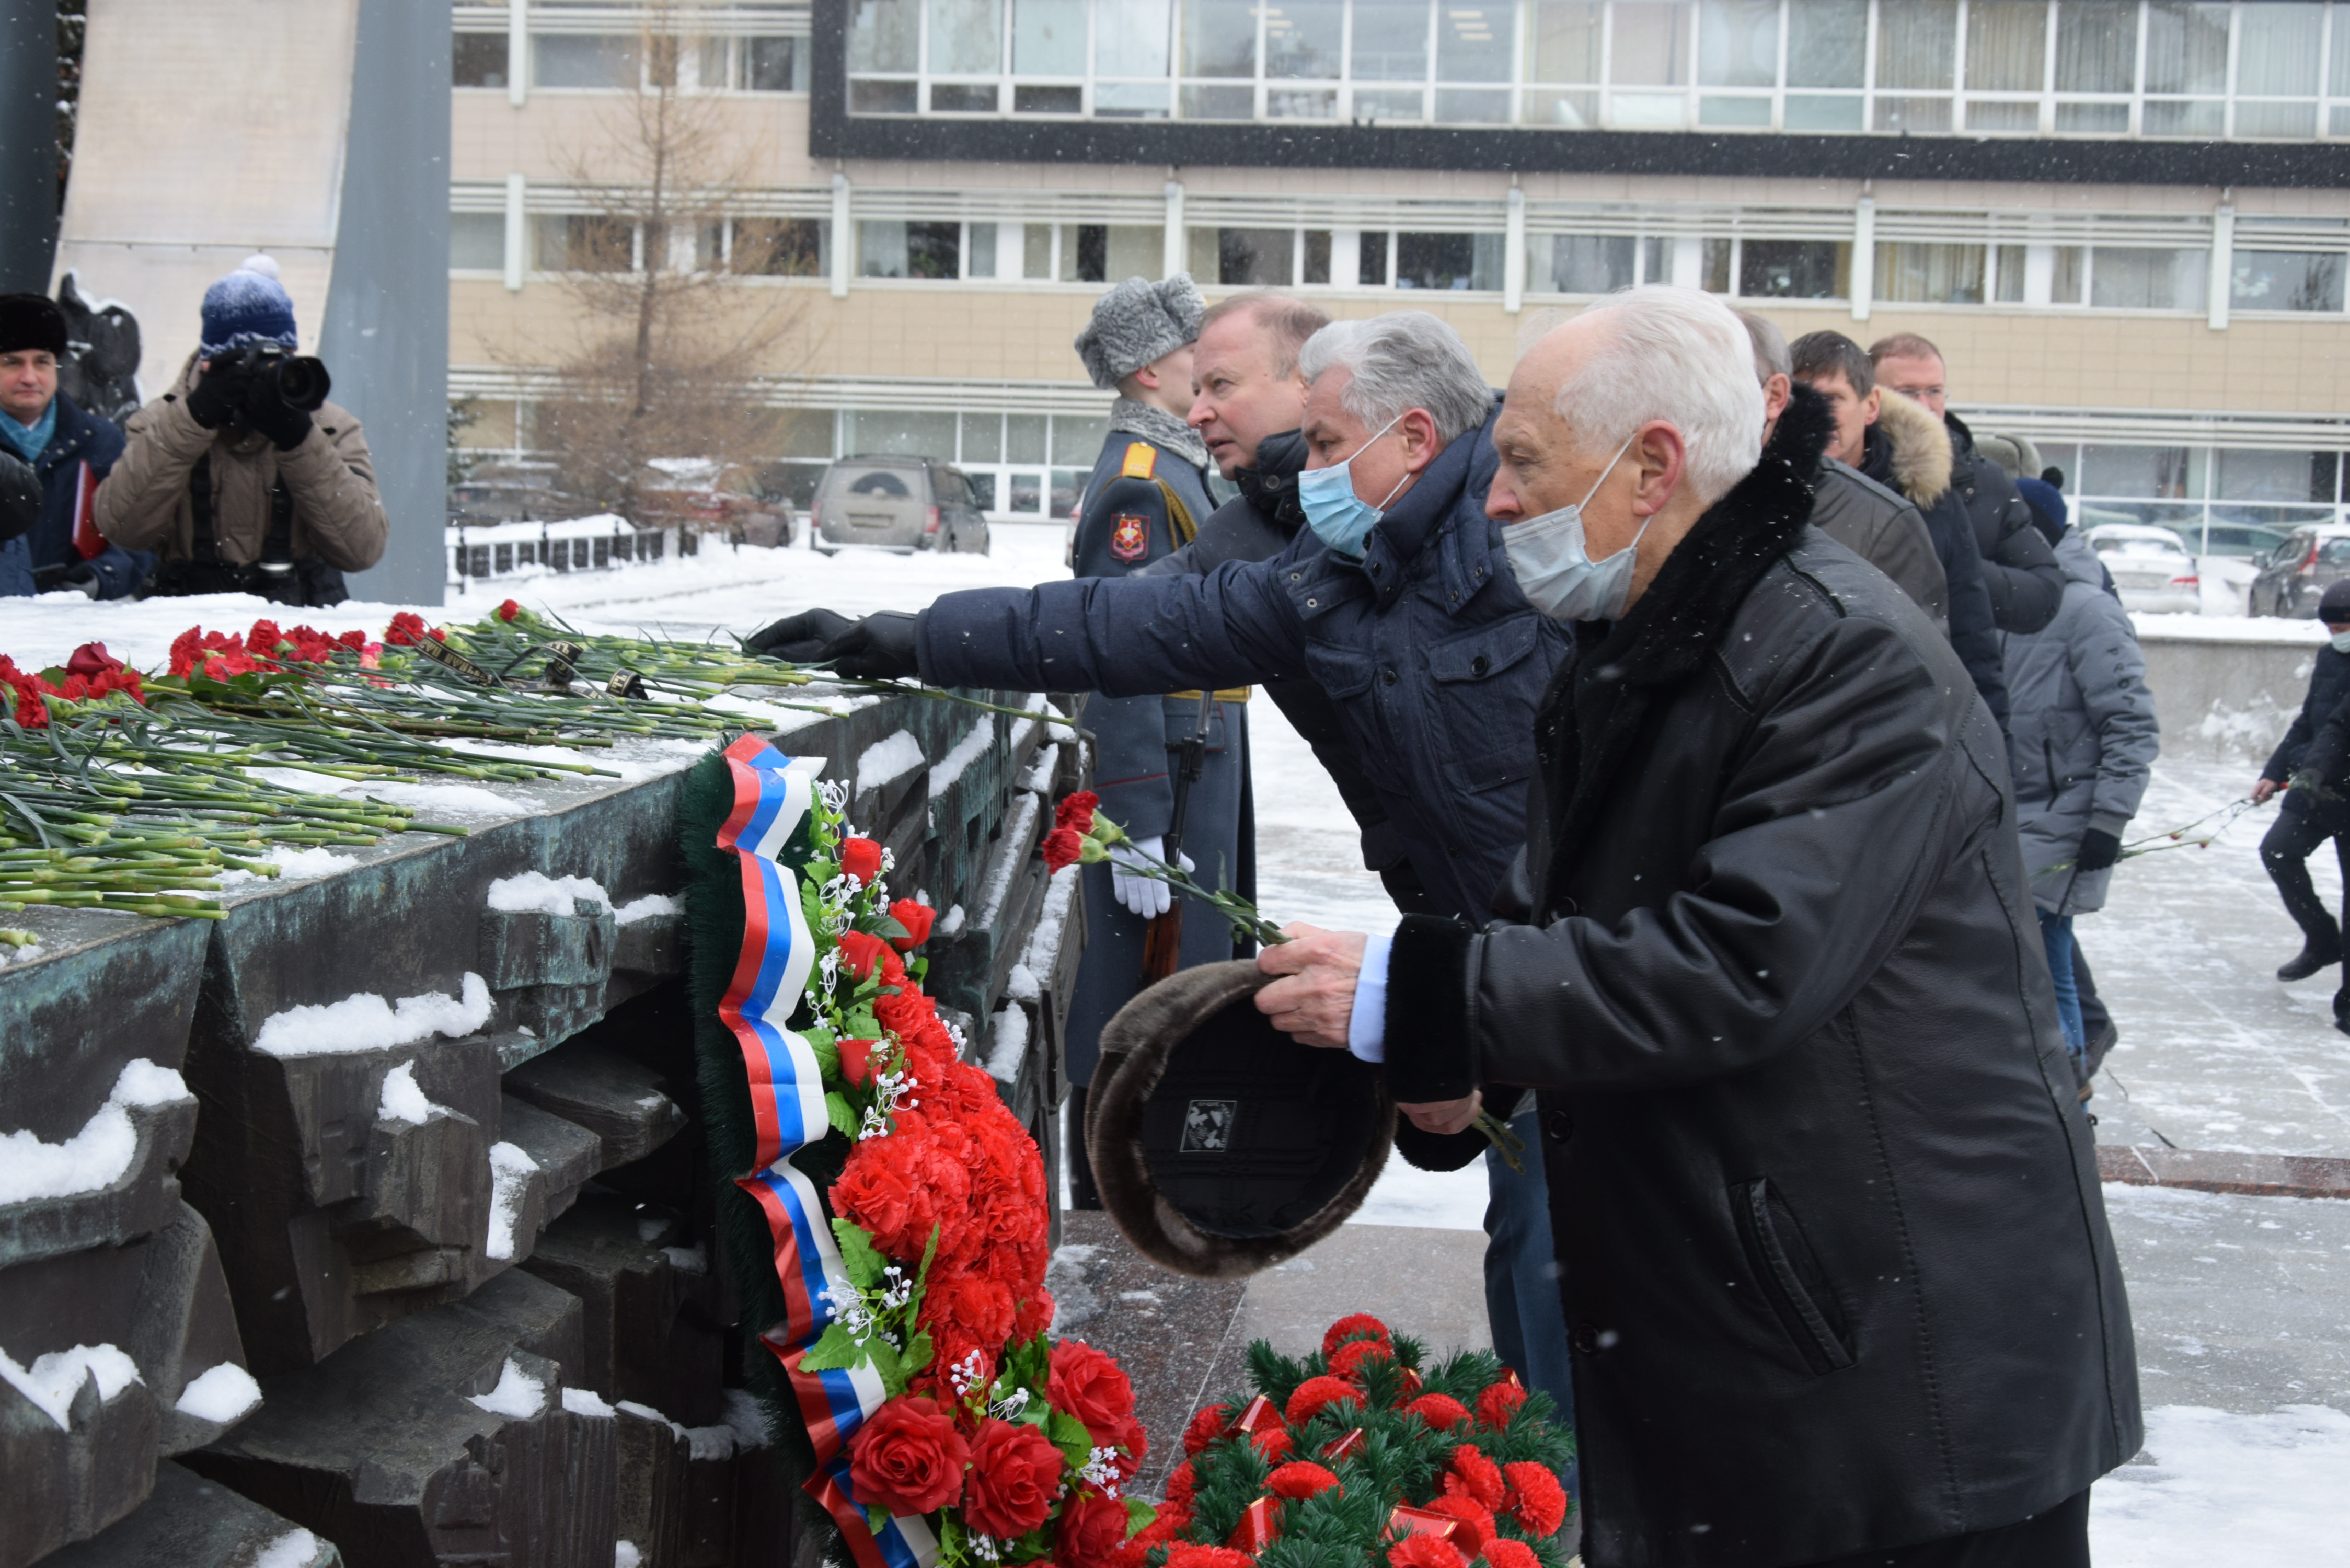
2214,1053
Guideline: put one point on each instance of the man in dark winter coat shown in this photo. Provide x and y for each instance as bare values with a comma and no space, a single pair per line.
1900,446
2311,766
2019,567
57,453
1833,1246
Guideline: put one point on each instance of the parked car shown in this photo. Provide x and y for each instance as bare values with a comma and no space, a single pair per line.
712,497
2238,541
2149,565
2296,572
902,503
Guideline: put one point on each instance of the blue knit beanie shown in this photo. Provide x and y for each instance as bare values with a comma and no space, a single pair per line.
2047,502
248,306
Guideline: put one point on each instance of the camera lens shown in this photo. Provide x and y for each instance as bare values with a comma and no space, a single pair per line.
302,382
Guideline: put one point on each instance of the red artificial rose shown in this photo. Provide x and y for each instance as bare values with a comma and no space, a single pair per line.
1206,1427
1016,1472
1442,1412
1092,1529
857,1061
1088,1384
1182,1484
91,658
908,1458
1354,1325
860,858
1498,1402
1503,1552
508,611
1536,1501
1315,1394
1301,1479
1476,1520
1347,1361
1473,1475
1061,848
861,953
916,919
1035,1317
1076,812
1425,1552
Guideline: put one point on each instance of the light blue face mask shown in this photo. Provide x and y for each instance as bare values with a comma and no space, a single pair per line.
1553,565
2340,639
1340,518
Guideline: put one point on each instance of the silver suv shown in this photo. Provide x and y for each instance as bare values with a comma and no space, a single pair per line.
902,503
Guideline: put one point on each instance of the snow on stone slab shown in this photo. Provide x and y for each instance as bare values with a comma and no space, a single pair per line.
518,1394
402,1101
366,1022
1021,985
891,757
645,1412
297,1548
53,1380
510,1172
958,760
647,908
587,1402
1044,953
295,866
97,1155
1048,767
2219,1486
1011,1045
749,1422
226,1393
534,892
625,1555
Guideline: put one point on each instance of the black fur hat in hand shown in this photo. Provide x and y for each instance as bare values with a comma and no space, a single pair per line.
1221,1146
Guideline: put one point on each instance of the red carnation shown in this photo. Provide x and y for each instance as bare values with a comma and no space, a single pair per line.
967,1309
1206,1427
1076,812
1354,1325
1315,1394
1499,1402
1192,1556
1061,848
1301,1479
263,637
1537,1502
508,611
1425,1552
1171,1520
1092,1529
860,858
1035,1317
908,1458
1182,1484
1088,1384
1473,1475
408,628
1016,1472
1476,1520
1273,1444
861,953
1440,1411
1503,1552
916,919
1347,1361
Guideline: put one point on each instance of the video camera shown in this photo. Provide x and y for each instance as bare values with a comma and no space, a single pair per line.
299,380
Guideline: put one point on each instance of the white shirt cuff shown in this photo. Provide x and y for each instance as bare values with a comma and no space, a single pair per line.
1367,1027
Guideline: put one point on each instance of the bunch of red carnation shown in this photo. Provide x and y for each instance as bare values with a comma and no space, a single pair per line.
1080,832
91,673
408,629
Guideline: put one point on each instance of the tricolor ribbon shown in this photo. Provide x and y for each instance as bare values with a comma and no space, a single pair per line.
772,793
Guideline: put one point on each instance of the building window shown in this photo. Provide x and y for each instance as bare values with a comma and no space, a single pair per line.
2148,279
1909,273
477,242
1793,269
781,247
895,249
2286,280
604,60
585,243
1448,261
478,59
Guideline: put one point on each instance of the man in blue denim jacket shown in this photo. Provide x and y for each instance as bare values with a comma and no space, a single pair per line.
69,451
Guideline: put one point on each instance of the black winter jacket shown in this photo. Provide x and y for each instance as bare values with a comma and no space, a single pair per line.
1974,633
2319,738
2019,568
1835,1262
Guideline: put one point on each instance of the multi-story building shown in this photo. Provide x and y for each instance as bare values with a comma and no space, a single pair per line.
2125,221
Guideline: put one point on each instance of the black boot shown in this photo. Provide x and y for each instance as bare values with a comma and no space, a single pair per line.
2314,955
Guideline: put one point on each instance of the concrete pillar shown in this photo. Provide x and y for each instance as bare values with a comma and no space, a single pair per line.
1514,254
844,238
517,52
1864,257
517,231
2223,264
28,175
1176,255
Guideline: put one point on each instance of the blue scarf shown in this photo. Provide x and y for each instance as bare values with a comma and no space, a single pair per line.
31,440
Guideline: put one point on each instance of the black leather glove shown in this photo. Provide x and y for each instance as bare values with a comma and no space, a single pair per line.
220,397
2099,849
83,578
801,637
878,648
284,425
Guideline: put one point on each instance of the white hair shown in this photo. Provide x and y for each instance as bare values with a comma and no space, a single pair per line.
1679,354
1402,361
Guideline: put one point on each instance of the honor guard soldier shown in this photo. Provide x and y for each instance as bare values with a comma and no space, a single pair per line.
1146,499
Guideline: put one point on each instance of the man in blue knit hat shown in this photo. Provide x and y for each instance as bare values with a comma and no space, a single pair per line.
53,453
242,478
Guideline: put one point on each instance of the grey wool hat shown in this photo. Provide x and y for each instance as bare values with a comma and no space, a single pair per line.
1220,1146
1137,322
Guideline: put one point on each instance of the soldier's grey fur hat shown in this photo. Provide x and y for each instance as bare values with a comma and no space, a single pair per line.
1221,1146
1137,322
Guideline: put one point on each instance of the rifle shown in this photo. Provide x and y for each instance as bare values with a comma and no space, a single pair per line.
1162,940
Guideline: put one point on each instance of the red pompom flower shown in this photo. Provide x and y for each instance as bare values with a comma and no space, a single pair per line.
1536,1501
1498,1402
1354,1325
1440,1411
1425,1552
1301,1479
1206,1427
1503,1552
1315,1394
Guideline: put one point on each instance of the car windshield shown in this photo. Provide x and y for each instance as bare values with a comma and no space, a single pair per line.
2334,553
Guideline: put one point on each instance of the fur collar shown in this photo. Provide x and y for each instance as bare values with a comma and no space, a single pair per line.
1161,428
1919,447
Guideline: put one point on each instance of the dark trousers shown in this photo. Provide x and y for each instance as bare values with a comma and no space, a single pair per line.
2056,1539
2285,852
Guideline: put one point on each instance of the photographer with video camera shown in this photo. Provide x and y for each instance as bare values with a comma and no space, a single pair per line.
243,477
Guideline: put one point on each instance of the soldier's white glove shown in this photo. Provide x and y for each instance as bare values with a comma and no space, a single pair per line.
1143,894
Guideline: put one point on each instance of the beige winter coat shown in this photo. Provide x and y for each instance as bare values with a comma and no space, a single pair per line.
338,517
